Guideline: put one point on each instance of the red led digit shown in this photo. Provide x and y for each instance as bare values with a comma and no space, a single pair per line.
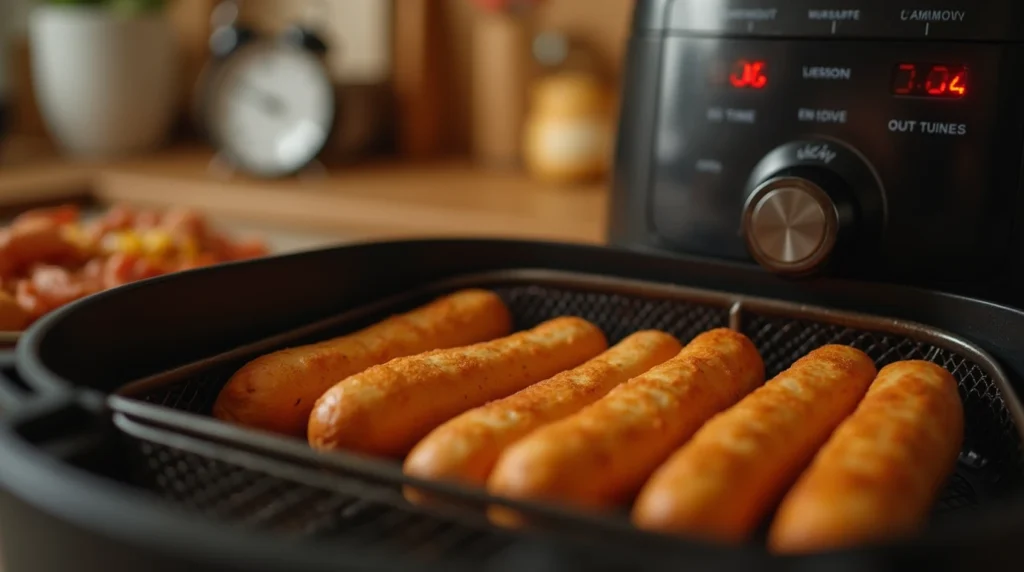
958,85
755,76
738,77
748,74
937,81
905,86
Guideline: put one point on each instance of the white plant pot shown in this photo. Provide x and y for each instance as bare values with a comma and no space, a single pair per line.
106,83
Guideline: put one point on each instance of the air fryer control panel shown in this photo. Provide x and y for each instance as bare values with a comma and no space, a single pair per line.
875,139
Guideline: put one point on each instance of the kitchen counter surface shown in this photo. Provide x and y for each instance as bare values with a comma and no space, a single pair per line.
358,202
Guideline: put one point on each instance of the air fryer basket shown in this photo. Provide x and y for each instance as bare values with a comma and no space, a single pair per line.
167,446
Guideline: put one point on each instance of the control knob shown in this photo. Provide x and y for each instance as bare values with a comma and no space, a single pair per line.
809,202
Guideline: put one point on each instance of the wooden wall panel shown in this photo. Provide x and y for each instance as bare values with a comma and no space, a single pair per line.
419,78
603,24
358,31
191,20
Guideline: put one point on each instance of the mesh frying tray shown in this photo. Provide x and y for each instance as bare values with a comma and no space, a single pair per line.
278,485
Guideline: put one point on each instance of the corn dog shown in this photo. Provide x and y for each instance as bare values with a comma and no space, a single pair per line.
730,475
276,392
880,472
601,455
465,448
388,408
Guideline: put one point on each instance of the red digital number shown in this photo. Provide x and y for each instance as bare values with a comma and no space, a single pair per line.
748,74
958,85
905,86
930,80
938,80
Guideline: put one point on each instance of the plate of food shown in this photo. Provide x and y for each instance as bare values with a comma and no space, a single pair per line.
52,256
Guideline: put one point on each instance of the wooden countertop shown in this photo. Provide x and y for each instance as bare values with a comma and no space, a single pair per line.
364,201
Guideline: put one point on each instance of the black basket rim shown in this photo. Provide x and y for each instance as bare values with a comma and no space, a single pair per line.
181,422
27,472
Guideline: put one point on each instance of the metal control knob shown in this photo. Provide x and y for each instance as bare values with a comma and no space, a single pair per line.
791,225
811,203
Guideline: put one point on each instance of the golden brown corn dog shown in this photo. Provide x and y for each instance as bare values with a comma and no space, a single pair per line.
601,455
737,466
880,472
276,392
465,448
388,408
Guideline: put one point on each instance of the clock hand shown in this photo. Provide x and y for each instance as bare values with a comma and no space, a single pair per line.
270,103
274,105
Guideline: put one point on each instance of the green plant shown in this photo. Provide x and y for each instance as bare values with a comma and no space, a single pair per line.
129,6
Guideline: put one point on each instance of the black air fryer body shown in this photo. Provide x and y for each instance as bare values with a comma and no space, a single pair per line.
868,139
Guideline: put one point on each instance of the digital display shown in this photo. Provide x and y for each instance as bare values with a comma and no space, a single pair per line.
749,74
940,81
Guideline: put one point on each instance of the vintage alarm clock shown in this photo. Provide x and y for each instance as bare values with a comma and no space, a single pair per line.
266,103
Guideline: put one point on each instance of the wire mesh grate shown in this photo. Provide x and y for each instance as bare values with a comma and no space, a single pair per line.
225,491
991,460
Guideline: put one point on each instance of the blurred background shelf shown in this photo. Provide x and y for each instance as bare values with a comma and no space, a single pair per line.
423,142
31,172
372,200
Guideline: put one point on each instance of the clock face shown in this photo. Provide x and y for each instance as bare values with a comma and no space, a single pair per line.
271,108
